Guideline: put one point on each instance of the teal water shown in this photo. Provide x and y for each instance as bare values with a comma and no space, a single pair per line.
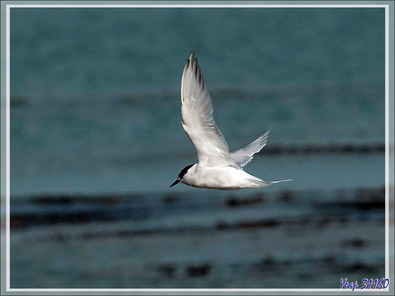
95,92
60,52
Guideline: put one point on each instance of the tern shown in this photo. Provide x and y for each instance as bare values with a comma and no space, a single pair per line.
217,168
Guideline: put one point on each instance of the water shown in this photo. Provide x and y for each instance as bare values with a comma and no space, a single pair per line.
95,112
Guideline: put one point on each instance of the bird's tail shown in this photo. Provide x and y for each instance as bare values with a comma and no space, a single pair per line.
280,181
262,183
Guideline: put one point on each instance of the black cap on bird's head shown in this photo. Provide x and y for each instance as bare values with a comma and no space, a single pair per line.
181,175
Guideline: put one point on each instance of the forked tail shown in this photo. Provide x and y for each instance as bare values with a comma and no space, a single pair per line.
280,181
262,183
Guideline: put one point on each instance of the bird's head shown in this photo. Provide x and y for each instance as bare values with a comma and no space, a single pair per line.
181,175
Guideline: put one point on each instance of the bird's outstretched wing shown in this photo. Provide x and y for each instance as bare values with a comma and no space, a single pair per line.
244,155
197,117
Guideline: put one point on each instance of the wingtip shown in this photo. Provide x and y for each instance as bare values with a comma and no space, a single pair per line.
266,134
190,59
191,56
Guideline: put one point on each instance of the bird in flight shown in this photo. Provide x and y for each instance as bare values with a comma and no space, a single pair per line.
217,167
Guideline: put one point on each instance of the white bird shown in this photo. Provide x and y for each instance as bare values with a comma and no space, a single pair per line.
217,168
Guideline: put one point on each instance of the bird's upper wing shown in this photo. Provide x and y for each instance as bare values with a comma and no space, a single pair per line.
197,117
244,155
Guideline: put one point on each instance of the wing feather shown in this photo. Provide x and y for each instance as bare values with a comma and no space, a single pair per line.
244,155
197,117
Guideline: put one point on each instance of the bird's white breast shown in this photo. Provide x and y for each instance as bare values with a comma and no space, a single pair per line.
218,177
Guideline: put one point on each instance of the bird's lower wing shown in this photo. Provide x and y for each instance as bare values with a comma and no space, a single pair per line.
197,117
244,155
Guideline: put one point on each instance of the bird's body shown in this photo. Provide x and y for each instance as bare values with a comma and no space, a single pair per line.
217,167
220,177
